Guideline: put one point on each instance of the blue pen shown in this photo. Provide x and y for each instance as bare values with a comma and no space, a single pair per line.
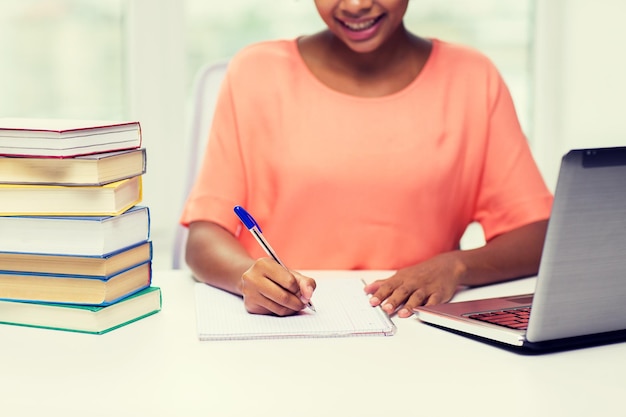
254,228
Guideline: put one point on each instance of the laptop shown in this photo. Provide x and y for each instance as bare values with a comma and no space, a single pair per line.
580,294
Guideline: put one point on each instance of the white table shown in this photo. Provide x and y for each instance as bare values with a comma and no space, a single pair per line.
157,367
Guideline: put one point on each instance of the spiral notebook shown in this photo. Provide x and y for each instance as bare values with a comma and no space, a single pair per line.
342,306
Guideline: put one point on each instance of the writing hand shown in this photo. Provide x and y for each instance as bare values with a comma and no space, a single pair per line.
268,288
431,282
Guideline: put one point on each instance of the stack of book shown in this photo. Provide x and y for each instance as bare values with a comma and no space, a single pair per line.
75,248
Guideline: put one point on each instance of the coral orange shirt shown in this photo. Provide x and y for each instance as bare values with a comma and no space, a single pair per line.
344,182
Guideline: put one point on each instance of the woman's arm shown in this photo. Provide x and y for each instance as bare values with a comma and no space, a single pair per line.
217,258
511,255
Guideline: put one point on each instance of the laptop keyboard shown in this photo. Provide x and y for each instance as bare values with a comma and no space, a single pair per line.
513,318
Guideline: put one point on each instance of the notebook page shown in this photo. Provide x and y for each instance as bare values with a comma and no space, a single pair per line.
343,309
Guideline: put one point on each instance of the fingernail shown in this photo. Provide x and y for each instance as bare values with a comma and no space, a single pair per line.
374,301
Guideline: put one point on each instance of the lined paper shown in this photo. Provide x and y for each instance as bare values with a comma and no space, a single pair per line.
342,306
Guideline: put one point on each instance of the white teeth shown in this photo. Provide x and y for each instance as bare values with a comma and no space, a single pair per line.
360,25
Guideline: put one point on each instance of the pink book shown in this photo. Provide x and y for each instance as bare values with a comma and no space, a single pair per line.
66,138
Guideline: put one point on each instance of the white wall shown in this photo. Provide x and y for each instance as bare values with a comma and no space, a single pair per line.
156,59
580,78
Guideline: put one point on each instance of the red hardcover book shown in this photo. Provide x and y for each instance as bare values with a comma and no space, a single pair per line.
66,138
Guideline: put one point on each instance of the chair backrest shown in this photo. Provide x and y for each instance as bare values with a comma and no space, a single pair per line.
204,96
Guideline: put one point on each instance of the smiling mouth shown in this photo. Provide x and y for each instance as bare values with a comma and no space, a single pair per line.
361,26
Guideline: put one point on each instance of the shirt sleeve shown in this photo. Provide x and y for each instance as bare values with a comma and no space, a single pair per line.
513,192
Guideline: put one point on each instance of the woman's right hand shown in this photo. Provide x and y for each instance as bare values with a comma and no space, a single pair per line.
268,288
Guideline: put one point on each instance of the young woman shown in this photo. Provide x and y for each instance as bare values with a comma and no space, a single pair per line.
364,146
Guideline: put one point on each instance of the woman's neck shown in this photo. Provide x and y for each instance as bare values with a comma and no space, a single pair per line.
384,71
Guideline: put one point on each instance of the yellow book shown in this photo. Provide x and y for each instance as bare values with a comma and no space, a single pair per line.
96,169
74,289
49,200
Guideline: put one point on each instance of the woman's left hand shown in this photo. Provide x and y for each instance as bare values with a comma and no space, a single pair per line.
513,254
431,282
